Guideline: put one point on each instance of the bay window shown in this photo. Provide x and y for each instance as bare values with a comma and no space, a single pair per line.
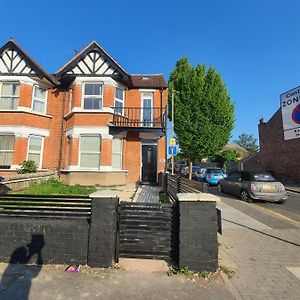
7,144
34,152
90,151
117,153
39,99
9,96
119,101
92,96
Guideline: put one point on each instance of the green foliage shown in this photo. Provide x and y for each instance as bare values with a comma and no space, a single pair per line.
248,142
225,156
203,111
54,186
28,166
163,198
176,271
227,271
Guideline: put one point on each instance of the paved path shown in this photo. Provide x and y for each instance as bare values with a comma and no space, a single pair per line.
263,251
53,283
147,194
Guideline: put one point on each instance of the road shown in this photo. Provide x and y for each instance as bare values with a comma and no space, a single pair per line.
286,215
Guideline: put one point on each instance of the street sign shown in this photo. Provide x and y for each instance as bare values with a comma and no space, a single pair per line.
172,150
172,142
290,111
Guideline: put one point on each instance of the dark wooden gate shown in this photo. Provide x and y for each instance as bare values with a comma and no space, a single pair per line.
148,230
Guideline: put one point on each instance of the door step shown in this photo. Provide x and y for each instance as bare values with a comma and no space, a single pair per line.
143,265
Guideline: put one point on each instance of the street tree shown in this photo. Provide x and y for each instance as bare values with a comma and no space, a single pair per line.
225,156
248,142
203,111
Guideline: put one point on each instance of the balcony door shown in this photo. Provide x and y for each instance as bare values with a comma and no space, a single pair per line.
147,111
149,163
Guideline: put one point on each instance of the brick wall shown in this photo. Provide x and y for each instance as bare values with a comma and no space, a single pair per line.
276,154
198,246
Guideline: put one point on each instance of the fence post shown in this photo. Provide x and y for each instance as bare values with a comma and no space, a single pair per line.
198,239
103,229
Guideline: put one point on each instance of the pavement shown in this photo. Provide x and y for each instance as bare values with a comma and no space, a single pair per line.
147,194
262,249
52,282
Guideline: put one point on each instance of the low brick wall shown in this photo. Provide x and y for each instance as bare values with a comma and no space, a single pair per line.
39,239
60,241
18,182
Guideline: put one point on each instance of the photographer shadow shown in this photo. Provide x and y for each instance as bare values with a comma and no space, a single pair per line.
20,276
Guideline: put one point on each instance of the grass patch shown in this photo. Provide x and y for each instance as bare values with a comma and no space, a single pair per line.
227,271
54,186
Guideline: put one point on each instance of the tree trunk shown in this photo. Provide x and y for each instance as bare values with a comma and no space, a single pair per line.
190,170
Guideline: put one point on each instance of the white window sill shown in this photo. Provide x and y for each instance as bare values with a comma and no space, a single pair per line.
82,110
24,110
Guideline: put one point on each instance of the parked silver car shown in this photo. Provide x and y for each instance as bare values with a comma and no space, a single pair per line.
251,186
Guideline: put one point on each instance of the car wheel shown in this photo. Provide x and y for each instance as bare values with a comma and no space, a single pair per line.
245,196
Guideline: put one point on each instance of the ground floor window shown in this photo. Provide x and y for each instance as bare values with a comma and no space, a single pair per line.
117,153
7,144
90,152
35,144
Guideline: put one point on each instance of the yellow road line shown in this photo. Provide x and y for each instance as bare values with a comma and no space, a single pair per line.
277,214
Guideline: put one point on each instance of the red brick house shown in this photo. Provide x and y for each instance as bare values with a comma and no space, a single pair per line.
91,121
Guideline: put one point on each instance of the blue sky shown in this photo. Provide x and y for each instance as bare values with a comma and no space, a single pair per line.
253,44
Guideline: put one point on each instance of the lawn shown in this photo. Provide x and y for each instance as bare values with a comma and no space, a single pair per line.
55,187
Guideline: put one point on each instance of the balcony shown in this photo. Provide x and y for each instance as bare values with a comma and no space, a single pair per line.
144,119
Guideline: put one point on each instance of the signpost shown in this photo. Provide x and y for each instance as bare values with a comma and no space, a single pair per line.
290,111
172,150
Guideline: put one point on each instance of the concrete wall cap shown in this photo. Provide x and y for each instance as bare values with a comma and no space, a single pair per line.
204,197
104,194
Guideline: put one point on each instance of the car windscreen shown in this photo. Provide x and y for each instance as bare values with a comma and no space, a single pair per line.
263,177
216,171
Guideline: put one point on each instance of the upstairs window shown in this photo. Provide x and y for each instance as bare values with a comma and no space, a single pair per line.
7,144
90,152
93,96
35,150
39,100
119,101
9,96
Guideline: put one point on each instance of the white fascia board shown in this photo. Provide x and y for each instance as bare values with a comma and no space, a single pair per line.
23,131
77,131
147,90
26,80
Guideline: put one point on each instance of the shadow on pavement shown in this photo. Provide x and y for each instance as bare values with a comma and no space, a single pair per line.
261,232
32,253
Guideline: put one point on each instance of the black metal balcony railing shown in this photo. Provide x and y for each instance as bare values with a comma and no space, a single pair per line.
139,117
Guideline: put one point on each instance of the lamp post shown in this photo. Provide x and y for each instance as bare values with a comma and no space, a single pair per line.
172,115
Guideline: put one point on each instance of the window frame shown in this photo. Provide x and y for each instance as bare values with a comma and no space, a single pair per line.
83,96
144,95
119,153
41,152
39,99
12,96
9,151
119,100
90,152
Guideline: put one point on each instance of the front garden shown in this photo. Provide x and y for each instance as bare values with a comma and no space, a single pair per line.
54,186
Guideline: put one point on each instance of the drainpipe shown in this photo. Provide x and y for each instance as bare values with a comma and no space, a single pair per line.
61,135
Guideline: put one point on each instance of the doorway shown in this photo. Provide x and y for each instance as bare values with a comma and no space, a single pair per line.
149,163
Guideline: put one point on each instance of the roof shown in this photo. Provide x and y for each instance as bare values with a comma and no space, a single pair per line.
90,47
38,70
132,80
148,81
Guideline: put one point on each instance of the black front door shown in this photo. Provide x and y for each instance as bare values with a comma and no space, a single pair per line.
149,160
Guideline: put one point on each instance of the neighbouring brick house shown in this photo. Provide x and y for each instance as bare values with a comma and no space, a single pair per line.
91,121
276,154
